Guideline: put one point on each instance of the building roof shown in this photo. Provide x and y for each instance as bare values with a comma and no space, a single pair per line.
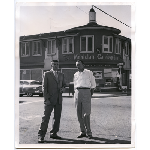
93,25
122,37
47,35
41,35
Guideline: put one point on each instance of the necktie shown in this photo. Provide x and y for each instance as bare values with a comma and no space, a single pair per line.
56,74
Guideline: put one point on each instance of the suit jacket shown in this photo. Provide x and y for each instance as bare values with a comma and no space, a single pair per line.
52,87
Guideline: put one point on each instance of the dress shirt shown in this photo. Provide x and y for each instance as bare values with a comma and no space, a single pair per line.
84,79
55,73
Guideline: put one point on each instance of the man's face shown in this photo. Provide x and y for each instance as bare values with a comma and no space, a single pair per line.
79,65
54,65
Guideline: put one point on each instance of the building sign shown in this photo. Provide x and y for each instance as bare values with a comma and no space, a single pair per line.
97,74
91,56
98,56
83,56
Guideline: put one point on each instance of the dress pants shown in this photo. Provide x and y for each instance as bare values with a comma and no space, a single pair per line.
83,100
45,119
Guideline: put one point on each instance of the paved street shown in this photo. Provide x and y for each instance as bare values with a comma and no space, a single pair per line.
110,120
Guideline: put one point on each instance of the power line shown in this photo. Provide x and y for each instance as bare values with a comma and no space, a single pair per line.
81,10
111,16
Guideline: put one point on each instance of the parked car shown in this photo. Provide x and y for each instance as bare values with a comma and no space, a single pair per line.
107,84
30,88
21,89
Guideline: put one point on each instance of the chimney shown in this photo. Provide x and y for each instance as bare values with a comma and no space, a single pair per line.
92,15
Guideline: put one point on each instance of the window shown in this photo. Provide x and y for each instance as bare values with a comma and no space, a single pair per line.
126,48
118,46
107,44
67,45
37,48
87,44
51,47
25,50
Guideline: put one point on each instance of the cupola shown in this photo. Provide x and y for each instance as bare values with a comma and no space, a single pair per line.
92,15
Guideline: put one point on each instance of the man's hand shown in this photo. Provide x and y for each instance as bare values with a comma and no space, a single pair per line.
62,90
92,91
48,102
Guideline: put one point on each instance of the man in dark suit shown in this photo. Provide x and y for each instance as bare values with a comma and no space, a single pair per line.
54,86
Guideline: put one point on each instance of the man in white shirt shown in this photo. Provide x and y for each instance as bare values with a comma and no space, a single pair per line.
84,84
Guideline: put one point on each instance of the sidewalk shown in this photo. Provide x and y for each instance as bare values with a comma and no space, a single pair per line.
100,94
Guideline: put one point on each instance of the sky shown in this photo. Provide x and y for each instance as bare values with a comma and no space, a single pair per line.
36,19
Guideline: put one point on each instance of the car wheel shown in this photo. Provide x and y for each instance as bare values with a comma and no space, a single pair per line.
41,95
29,94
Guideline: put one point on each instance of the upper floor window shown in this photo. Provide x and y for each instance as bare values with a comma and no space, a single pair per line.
68,45
126,52
107,44
37,51
87,44
118,46
25,49
51,47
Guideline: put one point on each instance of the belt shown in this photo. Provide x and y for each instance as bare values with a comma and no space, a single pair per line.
83,88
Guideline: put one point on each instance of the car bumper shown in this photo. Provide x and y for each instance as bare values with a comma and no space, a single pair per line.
40,92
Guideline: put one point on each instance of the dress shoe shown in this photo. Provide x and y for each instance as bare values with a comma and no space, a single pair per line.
40,140
89,136
55,136
81,135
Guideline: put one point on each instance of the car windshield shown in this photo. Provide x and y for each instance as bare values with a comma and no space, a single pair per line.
21,82
35,83
26,83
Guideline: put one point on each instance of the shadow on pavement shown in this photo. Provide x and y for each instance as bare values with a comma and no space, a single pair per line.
94,140
22,101
95,96
105,96
115,141
68,96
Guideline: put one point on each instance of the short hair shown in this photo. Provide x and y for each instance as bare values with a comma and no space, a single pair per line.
79,60
54,61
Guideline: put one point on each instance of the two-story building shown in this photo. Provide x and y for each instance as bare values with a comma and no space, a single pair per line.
102,49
